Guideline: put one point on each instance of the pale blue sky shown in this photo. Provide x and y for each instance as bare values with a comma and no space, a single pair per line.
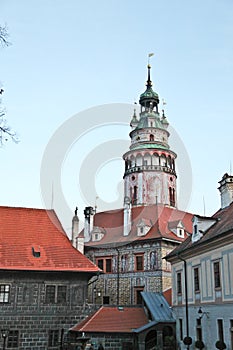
67,56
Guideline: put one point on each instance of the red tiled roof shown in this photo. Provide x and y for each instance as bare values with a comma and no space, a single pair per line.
113,320
158,215
33,239
168,295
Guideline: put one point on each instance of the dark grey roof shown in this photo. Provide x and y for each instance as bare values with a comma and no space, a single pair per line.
158,307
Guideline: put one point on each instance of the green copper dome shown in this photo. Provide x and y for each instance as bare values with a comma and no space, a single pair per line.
149,98
149,93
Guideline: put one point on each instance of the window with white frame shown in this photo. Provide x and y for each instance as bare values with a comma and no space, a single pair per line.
4,293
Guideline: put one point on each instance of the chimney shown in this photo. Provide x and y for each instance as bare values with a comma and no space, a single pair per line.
127,216
226,190
88,223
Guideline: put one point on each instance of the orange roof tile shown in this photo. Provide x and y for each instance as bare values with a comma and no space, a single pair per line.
33,239
110,319
158,215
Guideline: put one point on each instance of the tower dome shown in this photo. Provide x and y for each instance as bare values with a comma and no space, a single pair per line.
149,98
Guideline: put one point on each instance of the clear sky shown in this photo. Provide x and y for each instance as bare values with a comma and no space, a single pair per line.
69,56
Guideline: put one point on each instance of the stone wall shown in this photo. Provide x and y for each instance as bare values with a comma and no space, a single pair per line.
28,312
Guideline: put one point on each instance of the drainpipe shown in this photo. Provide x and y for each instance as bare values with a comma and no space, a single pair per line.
186,296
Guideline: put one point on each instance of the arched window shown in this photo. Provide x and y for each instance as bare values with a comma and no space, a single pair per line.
152,137
147,159
163,160
169,162
138,160
172,194
155,159
135,195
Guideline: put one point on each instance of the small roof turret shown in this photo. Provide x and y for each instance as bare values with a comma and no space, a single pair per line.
134,120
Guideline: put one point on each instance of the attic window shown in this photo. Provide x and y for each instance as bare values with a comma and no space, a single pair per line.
36,252
180,232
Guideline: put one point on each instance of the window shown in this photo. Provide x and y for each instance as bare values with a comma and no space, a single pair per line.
220,330
172,196
231,330
13,339
50,294
196,280
53,338
135,195
217,280
108,265
181,328
100,263
106,300
198,329
105,264
138,295
55,294
4,293
139,264
178,283
61,294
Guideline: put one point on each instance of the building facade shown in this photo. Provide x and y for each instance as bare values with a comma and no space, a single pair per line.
203,280
43,280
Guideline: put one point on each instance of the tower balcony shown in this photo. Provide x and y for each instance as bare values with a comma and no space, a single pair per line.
140,168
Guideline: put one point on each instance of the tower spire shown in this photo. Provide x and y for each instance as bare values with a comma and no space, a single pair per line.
149,82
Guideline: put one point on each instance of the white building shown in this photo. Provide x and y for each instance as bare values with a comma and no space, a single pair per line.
202,282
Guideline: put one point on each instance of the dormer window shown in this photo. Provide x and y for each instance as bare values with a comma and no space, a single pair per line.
143,227
200,225
177,227
97,234
36,252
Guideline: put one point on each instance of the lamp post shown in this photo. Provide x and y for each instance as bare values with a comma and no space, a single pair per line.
4,333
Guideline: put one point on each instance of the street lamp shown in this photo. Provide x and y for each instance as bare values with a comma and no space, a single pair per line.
202,313
4,334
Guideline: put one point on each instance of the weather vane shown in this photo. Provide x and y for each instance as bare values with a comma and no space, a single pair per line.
149,56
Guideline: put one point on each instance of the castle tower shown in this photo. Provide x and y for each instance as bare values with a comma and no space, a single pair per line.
150,175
